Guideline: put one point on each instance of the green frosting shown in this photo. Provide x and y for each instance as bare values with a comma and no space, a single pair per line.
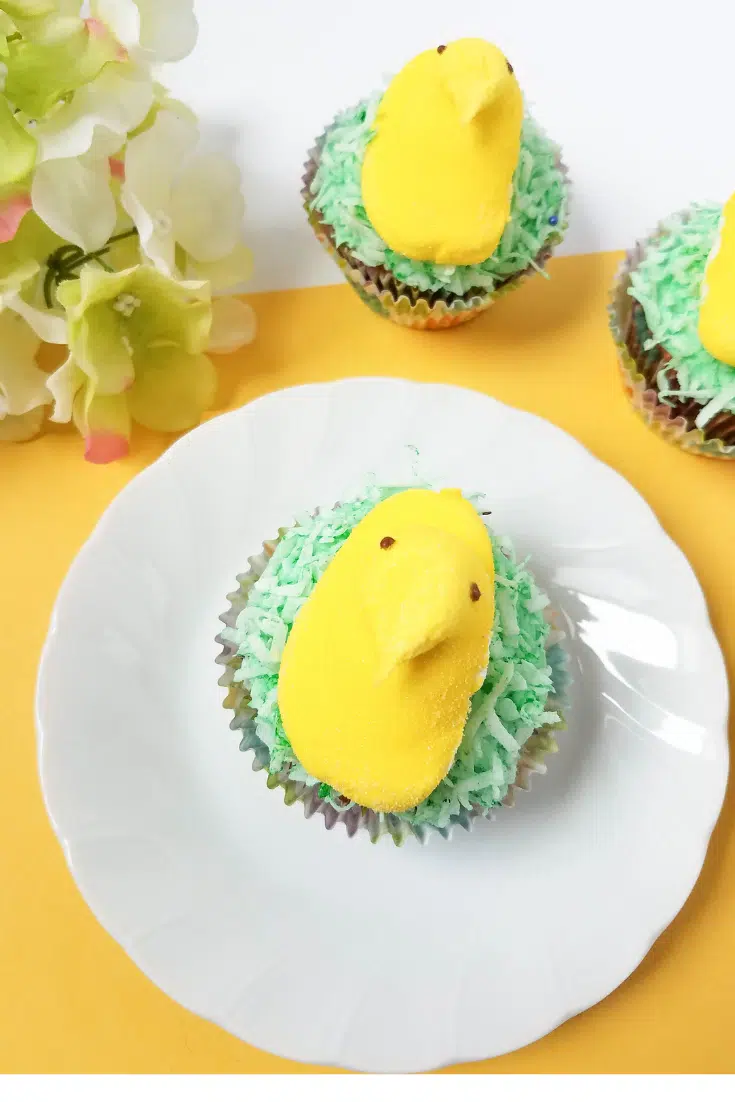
667,283
505,712
537,218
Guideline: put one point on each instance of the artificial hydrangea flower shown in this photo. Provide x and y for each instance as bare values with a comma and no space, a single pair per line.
114,233
137,352
44,69
102,113
184,202
157,30
23,389
56,71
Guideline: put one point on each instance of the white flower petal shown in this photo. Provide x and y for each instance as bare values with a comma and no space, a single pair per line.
48,325
73,197
164,30
16,430
63,386
122,17
107,109
151,163
226,274
207,207
233,325
168,28
22,383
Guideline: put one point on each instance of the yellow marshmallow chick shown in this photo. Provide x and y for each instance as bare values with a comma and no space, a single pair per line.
717,311
378,671
437,177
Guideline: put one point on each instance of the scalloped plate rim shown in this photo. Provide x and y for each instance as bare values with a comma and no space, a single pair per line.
191,439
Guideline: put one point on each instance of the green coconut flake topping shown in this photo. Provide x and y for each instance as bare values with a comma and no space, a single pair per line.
509,707
537,218
668,285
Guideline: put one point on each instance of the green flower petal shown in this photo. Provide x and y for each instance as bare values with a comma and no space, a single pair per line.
106,429
17,148
6,29
170,312
93,287
22,258
14,271
41,73
96,330
103,351
172,389
27,9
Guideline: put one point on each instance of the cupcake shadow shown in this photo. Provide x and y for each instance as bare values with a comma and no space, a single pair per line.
565,771
544,306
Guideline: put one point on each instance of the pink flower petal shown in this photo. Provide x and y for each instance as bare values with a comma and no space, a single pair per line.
96,28
105,447
117,168
12,212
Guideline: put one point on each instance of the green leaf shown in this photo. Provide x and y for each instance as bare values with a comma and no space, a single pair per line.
41,73
17,148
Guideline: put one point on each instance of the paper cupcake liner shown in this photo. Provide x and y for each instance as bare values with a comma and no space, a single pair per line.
639,369
354,817
399,302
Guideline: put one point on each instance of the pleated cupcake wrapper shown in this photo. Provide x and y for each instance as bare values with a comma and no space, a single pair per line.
669,424
390,298
355,818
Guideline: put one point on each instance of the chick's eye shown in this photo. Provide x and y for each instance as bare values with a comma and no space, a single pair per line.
475,592
510,67
440,49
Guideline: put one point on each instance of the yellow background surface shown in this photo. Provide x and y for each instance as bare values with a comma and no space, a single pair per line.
70,1000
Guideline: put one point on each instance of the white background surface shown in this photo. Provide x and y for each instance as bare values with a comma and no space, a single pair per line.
638,93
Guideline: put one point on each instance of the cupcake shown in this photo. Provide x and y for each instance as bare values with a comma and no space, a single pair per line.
441,193
672,320
392,665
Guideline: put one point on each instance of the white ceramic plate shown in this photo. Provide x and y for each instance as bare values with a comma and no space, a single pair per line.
328,949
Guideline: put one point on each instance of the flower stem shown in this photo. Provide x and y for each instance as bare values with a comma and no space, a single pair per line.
65,262
122,236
